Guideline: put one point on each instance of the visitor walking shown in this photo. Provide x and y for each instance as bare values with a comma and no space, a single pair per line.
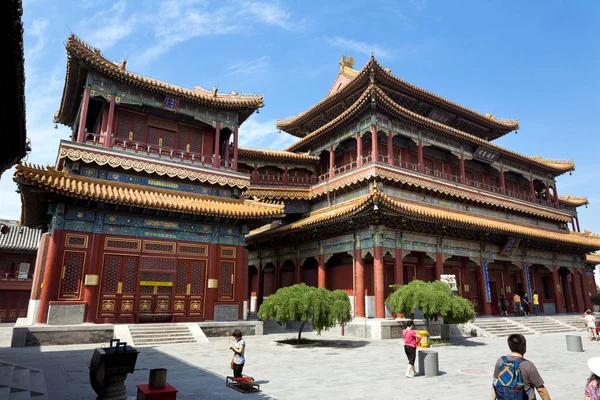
503,306
517,304
592,388
525,304
513,369
536,304
410,347
590,324
239,353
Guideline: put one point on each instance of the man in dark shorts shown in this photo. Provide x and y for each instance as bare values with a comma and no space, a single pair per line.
531,377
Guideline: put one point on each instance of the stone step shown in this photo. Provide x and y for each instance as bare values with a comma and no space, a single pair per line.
161,329
166,331
37,381
139,338
160,342
4,392
20,378
6,372
20,395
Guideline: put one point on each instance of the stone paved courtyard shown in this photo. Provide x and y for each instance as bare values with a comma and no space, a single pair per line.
344,368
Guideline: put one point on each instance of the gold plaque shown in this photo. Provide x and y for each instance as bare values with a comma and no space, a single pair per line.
213,283
91,280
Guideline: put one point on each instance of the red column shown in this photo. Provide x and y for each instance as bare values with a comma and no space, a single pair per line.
578,294
524,281
359,156
94,267
374,144
463,175
286,176
235,148
420,157
255,174
298,271
217,149
398,268
277,276
502,182
322,283
532,189
83,116
331,162
359,307
52,273
587,302
486,307
577,222
103,126
390,146
558,299
110,123
379,282
439,266
261,286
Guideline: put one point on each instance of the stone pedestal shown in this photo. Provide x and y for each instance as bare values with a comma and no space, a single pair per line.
114,388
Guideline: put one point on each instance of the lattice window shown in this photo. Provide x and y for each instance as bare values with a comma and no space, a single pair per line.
122,244
429,274
181,278
76,241
161,137
157,264
159,247
71,274
473,279
189,139
110,279
154,136
198,277
124,124
165,124
388,277
131,126
226,280
228,252
130,270
197,250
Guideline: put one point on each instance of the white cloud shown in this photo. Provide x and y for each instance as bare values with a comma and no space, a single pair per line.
106,27
38,30
265,135
272,14
249,67
351,45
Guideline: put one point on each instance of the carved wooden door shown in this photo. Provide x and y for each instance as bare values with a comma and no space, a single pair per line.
119,282
156,286
190,283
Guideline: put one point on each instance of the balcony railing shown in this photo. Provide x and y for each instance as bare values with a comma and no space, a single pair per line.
270,179
15,277
438,174
299,180
130,146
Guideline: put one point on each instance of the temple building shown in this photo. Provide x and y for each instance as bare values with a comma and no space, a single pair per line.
142,211
392,183
153,212
18,250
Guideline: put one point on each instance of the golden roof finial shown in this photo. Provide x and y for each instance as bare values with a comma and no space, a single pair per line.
123,64
346,62
215,90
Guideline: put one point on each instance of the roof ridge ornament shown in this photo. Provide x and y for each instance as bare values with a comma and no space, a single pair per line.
346,63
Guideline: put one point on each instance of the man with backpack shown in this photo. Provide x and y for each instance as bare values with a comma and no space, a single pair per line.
516,378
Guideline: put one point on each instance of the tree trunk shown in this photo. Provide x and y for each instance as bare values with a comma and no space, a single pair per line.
300,331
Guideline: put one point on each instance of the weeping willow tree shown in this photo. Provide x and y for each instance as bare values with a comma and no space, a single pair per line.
434,299
323,308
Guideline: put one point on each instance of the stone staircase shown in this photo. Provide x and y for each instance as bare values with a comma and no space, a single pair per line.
272,326
500,327
156,334
21,383
543,325
575,321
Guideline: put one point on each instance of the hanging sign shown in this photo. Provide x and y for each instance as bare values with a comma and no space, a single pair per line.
528,281
510,247
485,155
488,294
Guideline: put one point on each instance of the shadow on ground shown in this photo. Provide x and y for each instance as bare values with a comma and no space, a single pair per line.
67,373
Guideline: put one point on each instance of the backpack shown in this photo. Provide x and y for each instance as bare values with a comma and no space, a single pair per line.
508,385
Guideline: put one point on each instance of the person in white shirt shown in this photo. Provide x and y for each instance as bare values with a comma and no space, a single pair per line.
590,323
239,352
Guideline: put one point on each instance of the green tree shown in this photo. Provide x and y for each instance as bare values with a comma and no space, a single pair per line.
433,299
596,299
300,303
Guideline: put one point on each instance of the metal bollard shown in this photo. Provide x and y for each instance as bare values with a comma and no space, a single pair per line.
428,363
574,343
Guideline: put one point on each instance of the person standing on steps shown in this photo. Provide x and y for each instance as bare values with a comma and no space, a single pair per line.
517,304
536,303
410,347
525,304
503,306
239,353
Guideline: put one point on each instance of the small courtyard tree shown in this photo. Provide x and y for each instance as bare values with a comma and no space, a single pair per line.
300,303
433,299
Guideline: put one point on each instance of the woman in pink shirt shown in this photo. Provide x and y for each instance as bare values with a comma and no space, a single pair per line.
592,388
410,348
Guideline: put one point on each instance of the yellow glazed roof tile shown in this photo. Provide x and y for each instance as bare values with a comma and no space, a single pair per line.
572,200
139,196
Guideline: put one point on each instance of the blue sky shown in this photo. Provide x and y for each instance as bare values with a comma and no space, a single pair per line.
537,61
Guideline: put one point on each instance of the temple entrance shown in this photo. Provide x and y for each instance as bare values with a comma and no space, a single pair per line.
190,281
118,289
156,289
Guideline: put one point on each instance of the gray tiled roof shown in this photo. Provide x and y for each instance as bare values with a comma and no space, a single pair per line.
20,237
